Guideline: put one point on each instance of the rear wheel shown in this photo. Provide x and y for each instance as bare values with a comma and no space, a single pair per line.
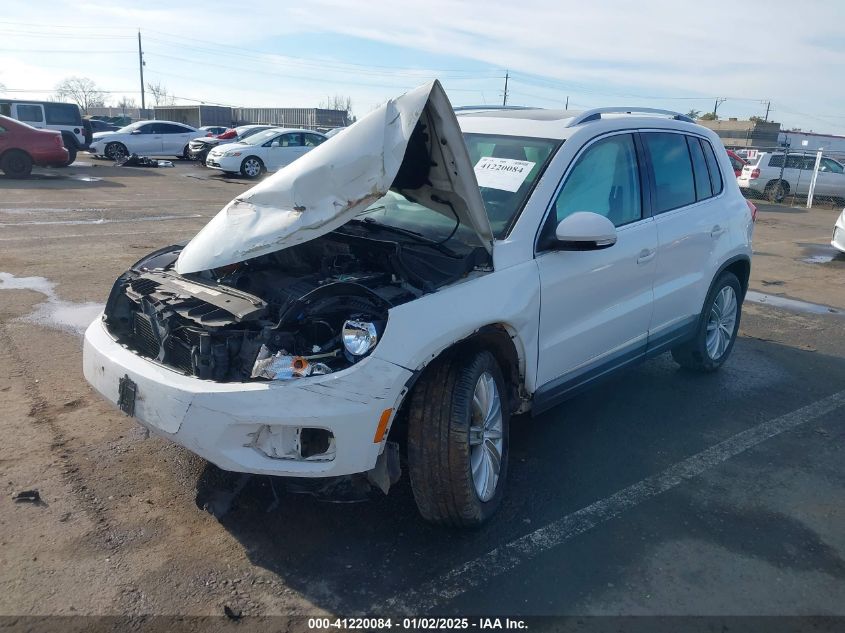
116,151
16,164
251,167
458,440
71,156
776,191
717,328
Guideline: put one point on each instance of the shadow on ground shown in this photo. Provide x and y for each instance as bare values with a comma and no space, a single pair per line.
345,558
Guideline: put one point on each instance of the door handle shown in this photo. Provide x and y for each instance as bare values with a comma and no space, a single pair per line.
716,231
646,255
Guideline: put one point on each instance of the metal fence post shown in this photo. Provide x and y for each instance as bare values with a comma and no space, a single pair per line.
813,181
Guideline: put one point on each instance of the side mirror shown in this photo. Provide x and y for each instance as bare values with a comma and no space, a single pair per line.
585,231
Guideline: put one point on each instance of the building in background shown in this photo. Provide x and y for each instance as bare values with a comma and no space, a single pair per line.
811,141
745,133
199,115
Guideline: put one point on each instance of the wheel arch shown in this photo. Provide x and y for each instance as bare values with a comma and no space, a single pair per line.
70,140
499,339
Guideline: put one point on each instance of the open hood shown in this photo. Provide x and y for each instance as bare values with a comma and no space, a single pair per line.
411,144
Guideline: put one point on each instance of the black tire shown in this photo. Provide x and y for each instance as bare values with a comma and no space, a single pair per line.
439,454
776,191
694,354
248,167
116,151
202,156
16,164
71,156
186,153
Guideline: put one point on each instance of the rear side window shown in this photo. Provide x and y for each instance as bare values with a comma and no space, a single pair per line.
62,114
701,175
712,167
605,180
673,179
30,113
312,140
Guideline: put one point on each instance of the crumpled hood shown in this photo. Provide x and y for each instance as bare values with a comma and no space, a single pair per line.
411,144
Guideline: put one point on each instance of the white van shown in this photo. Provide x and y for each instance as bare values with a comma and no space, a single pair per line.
62,117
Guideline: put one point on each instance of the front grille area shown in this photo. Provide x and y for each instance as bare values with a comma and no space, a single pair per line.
146,341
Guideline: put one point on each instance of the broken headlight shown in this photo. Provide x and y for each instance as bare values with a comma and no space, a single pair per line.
281,366
359,337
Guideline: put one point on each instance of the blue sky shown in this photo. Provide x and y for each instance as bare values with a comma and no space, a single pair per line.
661,53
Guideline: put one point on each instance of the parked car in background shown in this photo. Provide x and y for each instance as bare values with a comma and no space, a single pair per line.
145,138
48,115
22,146
762,176
198,148
265,151
385,289
334,132
98,125
838,240
212,130
737,162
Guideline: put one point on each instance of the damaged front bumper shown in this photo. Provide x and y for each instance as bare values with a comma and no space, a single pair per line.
319,426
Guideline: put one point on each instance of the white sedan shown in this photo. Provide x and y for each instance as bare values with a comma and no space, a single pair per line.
838,241
145,138
266,151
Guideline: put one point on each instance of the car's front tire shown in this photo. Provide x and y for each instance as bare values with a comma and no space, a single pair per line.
16,164
718,325
116,151
251,167
458,439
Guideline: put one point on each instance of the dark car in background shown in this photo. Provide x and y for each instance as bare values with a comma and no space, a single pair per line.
22,146
98,125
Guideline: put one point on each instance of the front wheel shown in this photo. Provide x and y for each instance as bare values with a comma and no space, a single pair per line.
252,167
458,440
717,327
116,151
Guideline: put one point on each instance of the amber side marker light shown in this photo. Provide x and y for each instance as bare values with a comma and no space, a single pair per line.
382,426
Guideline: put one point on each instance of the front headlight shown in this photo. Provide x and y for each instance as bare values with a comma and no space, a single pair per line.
232,154
359,337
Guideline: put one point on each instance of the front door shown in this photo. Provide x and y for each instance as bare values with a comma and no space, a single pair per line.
595,306
285,149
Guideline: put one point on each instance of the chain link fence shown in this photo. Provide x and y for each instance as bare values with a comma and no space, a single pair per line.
802,178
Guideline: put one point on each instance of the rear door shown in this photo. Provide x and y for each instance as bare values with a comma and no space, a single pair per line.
30,113
831,179
174,138
692,221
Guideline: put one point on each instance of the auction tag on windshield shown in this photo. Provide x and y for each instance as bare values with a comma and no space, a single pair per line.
506,174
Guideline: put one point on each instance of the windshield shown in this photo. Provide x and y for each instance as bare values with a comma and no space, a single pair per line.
247,132
132,126
260,138
522,159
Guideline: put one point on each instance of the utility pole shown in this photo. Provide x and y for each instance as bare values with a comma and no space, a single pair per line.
768,106
505,97
141,69
567,103
716,105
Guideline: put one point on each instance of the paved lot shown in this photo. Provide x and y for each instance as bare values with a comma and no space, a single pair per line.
659,492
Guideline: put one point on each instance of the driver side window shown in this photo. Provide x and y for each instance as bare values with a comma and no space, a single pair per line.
604,180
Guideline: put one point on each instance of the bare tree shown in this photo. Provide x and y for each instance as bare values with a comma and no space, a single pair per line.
160,95
126,102
82,91
339,102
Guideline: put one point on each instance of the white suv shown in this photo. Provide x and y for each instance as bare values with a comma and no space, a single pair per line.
399,292
766,175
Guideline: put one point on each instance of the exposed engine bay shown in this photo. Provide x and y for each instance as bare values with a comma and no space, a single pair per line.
282,315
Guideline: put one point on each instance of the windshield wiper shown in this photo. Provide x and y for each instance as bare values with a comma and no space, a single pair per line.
370,223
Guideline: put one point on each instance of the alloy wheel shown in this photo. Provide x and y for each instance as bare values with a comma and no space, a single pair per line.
486,437
721,323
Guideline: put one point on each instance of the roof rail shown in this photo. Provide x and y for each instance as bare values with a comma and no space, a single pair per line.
595,114
468,108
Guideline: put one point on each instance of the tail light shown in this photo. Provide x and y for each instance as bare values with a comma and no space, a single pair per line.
58,139
753,208
755,173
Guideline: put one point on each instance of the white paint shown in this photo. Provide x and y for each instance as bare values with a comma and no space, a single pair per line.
483,569
54,312
337,180
504,174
